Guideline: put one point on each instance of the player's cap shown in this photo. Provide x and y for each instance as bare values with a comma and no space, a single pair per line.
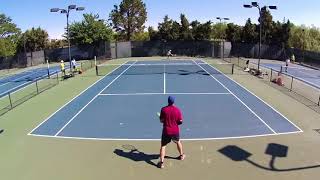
170,100
61,61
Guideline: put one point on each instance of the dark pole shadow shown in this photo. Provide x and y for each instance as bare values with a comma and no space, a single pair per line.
235,153
136,155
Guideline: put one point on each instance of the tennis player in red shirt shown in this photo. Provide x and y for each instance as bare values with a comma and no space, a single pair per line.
171,118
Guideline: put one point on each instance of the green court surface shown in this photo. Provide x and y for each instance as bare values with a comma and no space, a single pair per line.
290,156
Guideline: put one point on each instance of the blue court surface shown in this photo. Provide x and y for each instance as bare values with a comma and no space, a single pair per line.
308,75
123,105
15,82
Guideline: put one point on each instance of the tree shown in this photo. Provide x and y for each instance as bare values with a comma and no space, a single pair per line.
7,47
233,33
267,25
249,34
201,31
185,32
57,43
90,30
141,36
169,29
129,17
9,33
219,31
153,34
34,39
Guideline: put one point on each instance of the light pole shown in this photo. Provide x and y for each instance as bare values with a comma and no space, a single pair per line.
256,4
67,11
222,38
303,44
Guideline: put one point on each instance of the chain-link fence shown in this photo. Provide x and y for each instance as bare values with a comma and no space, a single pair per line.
13,99
293,84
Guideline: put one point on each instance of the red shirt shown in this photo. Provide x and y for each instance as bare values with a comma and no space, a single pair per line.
172,117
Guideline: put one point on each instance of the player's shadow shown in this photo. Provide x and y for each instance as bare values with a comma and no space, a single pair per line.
235,153
136,155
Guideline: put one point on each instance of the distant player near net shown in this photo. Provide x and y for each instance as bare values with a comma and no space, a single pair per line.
171,118
293,58
287,64
169,53
74,64
63,70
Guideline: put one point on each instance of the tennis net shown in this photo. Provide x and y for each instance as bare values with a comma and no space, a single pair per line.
169,68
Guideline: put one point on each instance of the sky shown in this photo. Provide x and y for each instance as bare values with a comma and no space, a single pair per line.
36,13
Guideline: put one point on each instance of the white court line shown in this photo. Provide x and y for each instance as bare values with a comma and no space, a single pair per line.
155,64
141,94
194,139
239,100
164,79
30,133
92,100
256,97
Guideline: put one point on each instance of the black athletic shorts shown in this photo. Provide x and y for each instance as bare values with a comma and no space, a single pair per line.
166,139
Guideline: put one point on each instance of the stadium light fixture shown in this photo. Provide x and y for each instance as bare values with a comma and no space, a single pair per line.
256,4
54,9
67,12
79,8
72,6
272,7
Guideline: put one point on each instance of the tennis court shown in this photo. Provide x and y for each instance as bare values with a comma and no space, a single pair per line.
123,104
14,82
308,75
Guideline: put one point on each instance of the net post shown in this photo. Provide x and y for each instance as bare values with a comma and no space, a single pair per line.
281,69
97,70
319,100
48,68
37,87
57,78
11,106
232,70
271,75
95,60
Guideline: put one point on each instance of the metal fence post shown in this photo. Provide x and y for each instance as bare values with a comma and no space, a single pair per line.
10,100
291,83
57,78
271,75
232,68
238,60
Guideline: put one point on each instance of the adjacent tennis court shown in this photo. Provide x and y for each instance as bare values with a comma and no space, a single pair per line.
14,82
123,104
308,75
